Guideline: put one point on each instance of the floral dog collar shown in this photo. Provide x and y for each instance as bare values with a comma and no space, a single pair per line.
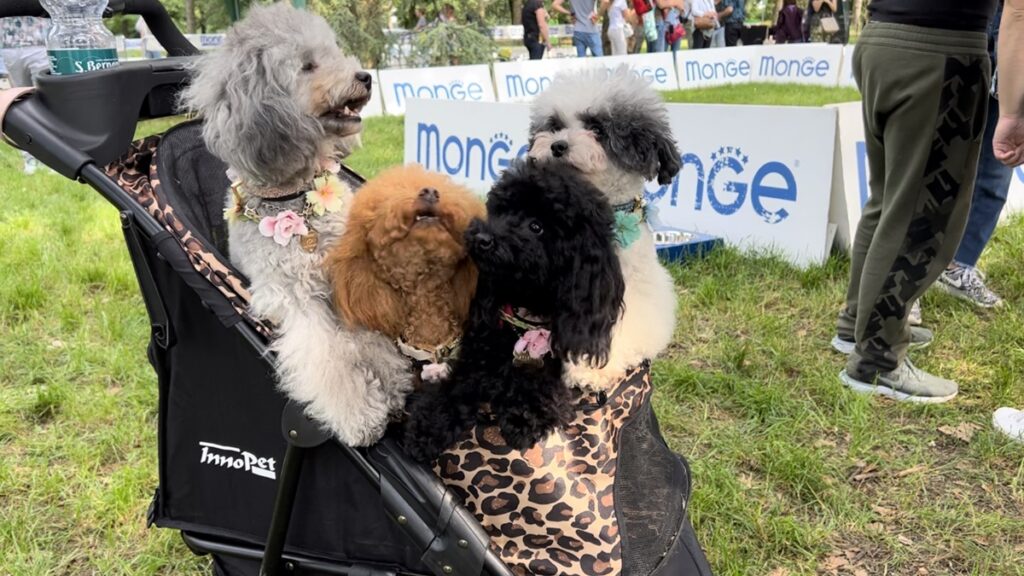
323,196
436,366
534,340
629,216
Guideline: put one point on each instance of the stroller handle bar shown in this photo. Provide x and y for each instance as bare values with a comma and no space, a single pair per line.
152,11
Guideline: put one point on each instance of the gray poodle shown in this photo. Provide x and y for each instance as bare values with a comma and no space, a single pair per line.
280,106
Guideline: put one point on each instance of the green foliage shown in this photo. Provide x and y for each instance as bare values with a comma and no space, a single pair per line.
359,25
452,44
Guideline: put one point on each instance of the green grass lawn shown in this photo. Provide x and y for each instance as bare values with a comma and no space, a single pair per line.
792,474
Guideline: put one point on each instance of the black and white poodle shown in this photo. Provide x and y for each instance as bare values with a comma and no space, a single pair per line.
550,291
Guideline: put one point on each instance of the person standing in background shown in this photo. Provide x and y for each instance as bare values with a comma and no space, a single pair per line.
1008,142
585,16
23,47
816,11
922,67
731,17
535,28
705,23
144,34
788,28
618,14
991,186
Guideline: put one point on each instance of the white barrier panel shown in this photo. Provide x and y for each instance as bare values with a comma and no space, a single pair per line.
516,32
780,63
850,186
767,188
715,66
522,81
855,174
472,143
846,71
466,83
375,107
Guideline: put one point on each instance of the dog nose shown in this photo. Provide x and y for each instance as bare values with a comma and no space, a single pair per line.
484,241
364,78
429,195
559,147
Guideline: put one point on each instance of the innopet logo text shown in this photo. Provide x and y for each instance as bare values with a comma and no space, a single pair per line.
729,182
454,90
237,459
469,157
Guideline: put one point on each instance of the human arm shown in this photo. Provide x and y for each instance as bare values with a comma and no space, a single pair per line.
725,12
1008,142
542,23
558,7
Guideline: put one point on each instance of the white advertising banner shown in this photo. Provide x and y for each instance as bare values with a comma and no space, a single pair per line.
846,71
472,143
850,188
715,66
461,83
375,106
855,174
523,81
780,63
764,189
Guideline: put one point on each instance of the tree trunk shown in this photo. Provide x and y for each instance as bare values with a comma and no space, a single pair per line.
190,16
516,6
857,4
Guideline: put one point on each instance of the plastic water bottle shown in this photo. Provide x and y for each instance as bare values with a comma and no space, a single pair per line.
78,40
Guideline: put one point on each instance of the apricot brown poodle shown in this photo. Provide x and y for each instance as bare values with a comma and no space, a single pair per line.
401,267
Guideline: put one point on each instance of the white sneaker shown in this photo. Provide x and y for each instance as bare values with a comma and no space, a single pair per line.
914,318
31,165
968,283
1010,421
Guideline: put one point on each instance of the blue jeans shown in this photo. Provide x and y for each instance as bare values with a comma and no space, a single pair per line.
990,188
584,40
659,43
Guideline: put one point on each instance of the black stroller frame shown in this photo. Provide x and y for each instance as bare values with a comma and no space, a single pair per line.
51,125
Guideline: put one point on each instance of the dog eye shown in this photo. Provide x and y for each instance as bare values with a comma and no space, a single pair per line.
308,66
536,228
554,124
596,128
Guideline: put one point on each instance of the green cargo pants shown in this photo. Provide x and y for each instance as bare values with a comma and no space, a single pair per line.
925,93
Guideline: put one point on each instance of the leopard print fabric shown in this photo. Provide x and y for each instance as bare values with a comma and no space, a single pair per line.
550,510
135,173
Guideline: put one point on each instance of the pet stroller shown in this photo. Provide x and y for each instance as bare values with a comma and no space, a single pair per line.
243,474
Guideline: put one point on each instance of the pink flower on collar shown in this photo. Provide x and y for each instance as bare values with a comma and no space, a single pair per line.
283,226
536,343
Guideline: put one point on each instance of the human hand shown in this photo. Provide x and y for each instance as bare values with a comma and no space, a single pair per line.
594,17
1008,141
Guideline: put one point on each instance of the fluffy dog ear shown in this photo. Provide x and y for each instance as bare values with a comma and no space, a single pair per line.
464,285
360,297
590,290
668,158
252,117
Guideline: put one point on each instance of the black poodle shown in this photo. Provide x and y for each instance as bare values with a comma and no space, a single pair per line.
550,290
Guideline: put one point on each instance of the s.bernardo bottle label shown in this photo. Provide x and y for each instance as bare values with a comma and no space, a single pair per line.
76,61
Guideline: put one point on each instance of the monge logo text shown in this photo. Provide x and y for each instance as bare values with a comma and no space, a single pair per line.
724,70
792,68
528,85
469,157
727,183
454,90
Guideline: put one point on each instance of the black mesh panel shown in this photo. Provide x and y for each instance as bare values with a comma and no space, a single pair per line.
650,494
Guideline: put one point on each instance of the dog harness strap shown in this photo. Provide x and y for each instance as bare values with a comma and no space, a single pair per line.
7,98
